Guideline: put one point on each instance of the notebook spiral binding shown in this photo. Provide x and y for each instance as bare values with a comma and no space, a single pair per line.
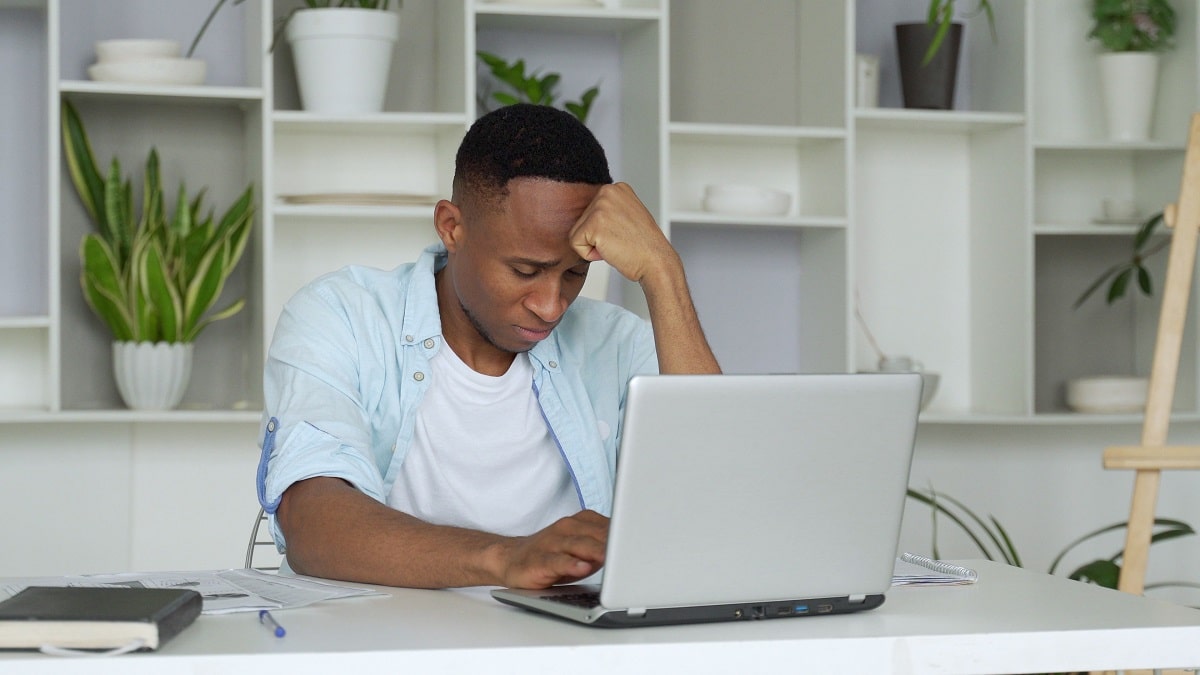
940,566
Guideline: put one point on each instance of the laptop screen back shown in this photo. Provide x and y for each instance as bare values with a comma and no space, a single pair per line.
756,487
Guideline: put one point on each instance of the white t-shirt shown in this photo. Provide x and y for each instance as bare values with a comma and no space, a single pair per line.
482,456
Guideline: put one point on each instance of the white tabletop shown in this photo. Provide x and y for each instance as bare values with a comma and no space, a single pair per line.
1011,621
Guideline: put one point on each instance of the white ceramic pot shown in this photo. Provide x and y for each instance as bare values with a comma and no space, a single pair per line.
152,375
1129,81
1108,394
343,56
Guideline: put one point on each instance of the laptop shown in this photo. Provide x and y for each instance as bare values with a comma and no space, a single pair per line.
745,497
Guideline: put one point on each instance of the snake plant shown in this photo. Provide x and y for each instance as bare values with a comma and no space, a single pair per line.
151,278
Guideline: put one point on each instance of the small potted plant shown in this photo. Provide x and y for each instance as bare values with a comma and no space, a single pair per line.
343,53
531,87
1131,33
927,71
152,278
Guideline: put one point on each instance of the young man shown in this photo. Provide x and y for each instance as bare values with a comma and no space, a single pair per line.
454,422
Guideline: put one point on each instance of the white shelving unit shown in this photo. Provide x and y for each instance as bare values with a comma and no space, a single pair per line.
963,236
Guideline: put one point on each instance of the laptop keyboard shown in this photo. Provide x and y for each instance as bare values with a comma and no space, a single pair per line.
584,600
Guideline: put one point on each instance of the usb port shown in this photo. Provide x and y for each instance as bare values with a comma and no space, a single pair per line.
824,609
800,609
783,611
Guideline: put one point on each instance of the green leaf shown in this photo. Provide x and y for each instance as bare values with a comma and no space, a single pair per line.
1144,281
103,290
202,291
1104,573
81,165
1146,230
1117,289
158,286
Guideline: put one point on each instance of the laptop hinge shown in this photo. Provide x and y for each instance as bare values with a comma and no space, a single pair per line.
857,599
636,611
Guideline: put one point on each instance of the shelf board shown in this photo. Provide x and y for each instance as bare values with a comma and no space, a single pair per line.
577,19
1103,145
943,121
1050,419
752,133
198,94
703,218
1085,229
333,211
7,322
300,121
43,416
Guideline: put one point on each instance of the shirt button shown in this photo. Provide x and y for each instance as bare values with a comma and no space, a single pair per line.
553,364
408,338
428,343
271,425
418,376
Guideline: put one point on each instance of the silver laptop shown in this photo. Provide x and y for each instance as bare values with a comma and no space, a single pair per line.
742,497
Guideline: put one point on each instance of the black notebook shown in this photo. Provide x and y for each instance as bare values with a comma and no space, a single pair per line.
75,617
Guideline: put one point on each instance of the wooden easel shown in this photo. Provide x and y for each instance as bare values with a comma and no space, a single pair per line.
1153,456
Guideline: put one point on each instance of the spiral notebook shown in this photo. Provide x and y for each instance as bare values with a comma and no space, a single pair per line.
918,570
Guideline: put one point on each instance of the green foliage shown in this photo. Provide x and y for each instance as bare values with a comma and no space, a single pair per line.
941,14
992,540
1119,275
1133,25
532,87
151,278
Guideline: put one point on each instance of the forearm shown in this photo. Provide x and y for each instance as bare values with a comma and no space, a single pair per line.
336,532
678,336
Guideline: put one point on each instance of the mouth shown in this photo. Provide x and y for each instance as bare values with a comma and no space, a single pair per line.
534,335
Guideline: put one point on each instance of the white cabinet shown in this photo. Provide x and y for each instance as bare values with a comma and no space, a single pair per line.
963,237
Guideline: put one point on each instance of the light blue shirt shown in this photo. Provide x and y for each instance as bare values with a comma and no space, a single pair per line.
349,365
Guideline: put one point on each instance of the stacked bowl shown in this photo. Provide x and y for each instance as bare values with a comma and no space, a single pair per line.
145,61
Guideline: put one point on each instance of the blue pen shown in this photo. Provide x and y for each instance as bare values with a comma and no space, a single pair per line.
265,618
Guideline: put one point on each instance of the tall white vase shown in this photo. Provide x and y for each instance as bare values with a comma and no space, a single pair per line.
343,57
152,375
1130,84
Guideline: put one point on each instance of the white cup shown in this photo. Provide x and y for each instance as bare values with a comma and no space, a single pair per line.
867,81
1119,209
900,364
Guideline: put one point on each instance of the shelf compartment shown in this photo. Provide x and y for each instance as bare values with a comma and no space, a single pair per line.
1098,339
305,248
770,300
25,222
718,80
942,260
810,168
1070,183
384,155
230,46
428,72
201,146
25,363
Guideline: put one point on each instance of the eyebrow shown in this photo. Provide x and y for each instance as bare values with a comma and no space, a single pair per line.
542,264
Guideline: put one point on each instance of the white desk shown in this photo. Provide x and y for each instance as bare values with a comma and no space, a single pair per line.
1011,621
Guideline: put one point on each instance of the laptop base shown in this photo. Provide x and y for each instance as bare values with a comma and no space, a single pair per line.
543,602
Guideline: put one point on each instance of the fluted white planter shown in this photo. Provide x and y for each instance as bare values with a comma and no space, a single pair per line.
1130,84
152,375
343,56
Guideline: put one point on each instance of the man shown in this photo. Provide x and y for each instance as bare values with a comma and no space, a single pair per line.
454,422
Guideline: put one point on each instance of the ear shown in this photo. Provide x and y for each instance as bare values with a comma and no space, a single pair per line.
448,221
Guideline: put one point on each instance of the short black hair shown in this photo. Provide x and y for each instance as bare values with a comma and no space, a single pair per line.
526,140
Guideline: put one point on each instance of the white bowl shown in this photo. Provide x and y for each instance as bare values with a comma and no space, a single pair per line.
1115,394
110,51
150,71
746,200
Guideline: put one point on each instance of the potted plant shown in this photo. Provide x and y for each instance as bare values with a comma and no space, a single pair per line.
151,278
928,54
532,87
1132,33
343,53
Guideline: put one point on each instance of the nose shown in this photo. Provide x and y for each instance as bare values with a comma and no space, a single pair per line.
546,300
